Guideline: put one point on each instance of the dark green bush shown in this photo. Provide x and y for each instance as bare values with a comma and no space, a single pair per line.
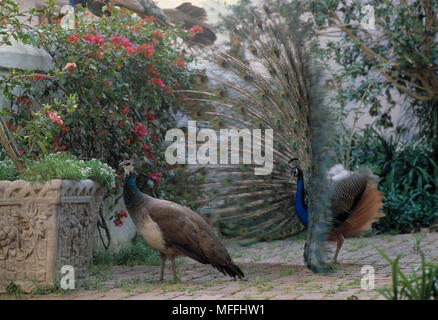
408,180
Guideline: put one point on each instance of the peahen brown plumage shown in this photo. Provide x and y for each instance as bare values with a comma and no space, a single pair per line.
174,230
355,203
186,15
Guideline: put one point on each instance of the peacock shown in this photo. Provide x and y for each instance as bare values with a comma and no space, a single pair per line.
355,202
186,14
174,230
269,79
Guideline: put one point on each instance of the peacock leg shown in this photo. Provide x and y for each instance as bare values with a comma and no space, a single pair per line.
339,243
172,260
163,265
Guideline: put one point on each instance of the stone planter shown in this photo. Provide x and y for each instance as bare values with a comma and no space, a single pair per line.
44,226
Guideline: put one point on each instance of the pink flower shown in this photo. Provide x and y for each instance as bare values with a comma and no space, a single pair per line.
70,65
120,41
140,130
196,29
157,82
94,39
55,118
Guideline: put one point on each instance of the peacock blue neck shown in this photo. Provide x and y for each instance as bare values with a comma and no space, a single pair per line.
300,206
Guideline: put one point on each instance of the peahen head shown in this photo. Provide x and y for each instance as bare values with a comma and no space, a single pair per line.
128,166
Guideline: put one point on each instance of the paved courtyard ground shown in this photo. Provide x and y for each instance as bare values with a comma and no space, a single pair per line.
274,270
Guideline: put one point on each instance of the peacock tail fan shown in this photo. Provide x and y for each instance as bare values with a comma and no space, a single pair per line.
271,83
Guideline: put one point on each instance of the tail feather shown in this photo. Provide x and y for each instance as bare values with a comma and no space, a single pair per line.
364,214
232,270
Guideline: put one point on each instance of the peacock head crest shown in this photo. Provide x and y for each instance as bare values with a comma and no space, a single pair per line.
295,171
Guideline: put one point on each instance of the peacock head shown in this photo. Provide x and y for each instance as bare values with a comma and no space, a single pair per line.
128,166
295,171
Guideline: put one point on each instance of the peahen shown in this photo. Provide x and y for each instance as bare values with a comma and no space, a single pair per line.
174,230
186,14
355,202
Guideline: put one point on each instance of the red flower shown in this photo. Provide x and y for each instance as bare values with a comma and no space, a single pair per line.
121,123
128,142
123,214
40,76
157,82
118,222
157,34
146,50
140,130
132,50
74,37
196,29
151,71
55,118
151,116
20,152
180,63
125,110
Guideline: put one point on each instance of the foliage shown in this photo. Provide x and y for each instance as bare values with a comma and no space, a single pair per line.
138,253
412,286
408,179
113,91
65,166
400,53
13,289
8,171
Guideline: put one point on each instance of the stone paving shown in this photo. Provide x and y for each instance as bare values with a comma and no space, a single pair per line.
273,270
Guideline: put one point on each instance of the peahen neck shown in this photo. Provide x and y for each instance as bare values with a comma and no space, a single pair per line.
131,194
300,206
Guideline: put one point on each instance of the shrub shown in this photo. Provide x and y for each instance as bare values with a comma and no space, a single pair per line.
116,81
408,180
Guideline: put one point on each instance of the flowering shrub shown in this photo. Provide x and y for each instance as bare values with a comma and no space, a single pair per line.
115,79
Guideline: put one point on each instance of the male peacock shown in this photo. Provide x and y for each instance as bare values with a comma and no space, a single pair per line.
355,203
269,79
174,230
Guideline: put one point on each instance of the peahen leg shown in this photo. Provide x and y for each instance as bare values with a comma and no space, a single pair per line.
163,265
172,260
339,243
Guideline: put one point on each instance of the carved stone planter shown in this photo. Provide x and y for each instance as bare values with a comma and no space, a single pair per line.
44,226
